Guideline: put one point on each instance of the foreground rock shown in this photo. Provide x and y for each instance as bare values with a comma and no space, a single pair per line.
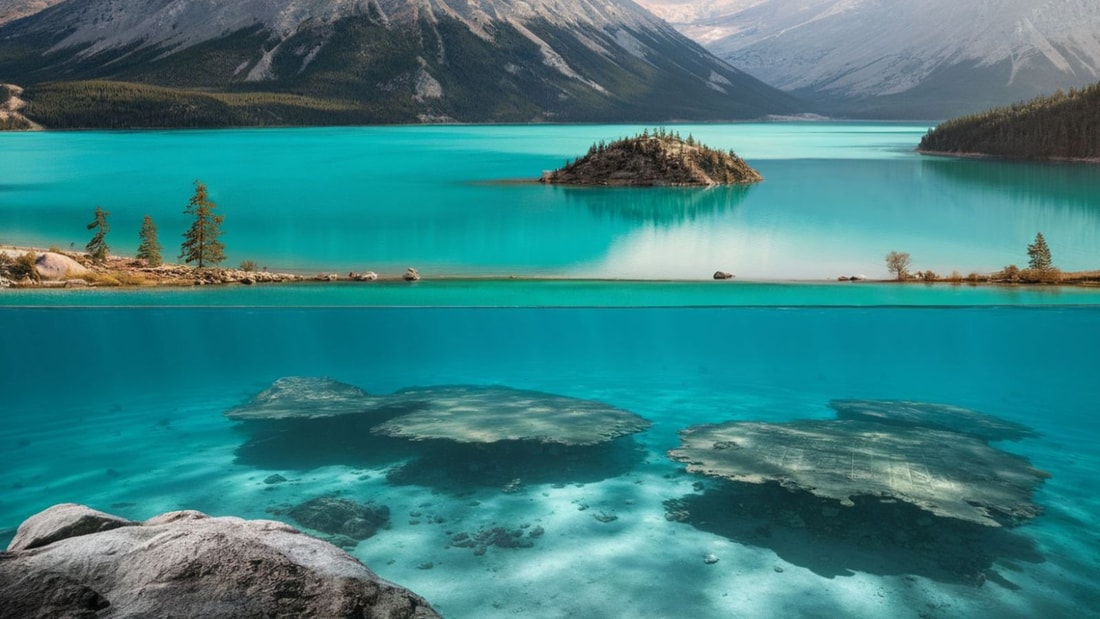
945,473
186,564
659,158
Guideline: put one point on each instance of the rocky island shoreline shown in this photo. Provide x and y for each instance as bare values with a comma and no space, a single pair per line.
658,158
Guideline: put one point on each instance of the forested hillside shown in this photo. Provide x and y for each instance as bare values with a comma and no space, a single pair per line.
1059,126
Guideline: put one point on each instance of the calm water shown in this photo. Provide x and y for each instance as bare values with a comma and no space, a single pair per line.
115,398
838,197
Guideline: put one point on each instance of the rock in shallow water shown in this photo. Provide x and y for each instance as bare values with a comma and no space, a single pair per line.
337,516
187,564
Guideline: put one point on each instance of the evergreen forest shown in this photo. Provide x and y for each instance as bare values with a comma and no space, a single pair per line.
1065,125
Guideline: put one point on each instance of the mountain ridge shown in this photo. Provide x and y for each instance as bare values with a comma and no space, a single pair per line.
924,59
404,60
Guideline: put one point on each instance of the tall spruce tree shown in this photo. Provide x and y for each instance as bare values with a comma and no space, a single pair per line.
1039,254
200,242
97,247
149,250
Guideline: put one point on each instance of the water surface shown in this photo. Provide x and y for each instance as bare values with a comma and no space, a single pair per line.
837,198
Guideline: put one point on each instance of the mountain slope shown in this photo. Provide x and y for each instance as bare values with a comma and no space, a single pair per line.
14,9
394,60
918,58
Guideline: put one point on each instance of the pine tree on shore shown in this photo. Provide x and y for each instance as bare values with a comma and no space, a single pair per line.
200,242
149,250
97,247
1039,254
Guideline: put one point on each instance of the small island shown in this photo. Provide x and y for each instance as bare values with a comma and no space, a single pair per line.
658,158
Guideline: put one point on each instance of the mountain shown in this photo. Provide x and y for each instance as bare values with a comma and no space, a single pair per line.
1061,126
901,58
14,9
352,61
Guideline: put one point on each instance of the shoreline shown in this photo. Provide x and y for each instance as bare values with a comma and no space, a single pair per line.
124,272
956,155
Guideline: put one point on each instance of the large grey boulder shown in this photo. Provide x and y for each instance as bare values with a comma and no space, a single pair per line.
52,266
63,521
186,564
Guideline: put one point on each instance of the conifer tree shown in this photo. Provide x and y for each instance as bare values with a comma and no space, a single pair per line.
200,242
97,247
149,250
1039,254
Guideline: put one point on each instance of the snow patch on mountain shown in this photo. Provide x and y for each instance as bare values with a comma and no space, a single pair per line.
879,47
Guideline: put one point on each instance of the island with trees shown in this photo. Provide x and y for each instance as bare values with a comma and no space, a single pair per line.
657,158
1062,126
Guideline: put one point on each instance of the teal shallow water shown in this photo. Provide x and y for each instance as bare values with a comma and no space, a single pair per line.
122,409
837,198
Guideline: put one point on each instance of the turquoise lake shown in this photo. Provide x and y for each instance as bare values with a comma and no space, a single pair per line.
116,398
836,199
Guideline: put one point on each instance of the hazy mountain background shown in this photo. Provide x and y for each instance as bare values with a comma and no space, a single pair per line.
325,61
900,58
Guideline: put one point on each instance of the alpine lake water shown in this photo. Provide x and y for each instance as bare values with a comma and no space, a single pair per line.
115,399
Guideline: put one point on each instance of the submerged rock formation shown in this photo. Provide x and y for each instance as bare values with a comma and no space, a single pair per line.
459,413
337,516
303,397
660,158
72,561
946,473
932,415
472,414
